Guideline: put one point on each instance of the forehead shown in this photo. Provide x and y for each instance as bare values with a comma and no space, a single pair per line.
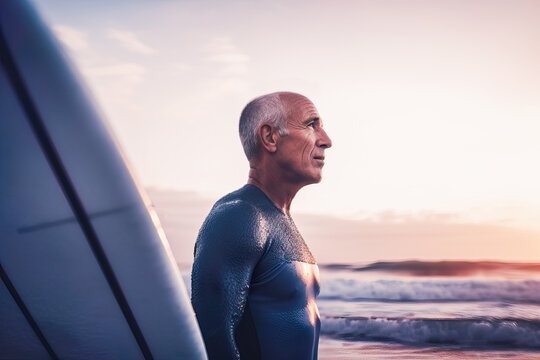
300,108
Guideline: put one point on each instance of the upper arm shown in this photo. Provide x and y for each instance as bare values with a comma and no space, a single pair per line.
230,243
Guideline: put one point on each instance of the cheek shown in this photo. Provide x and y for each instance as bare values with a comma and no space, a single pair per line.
306,151
307,147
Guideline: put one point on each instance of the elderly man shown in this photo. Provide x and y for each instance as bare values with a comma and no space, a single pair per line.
254,280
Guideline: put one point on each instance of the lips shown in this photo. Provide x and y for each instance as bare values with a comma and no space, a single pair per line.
319,160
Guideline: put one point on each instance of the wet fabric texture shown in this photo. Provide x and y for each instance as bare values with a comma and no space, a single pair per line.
254,282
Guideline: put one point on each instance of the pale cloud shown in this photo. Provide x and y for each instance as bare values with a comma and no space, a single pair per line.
73,38
130,72
222,51
129,41
230,85
222,44
399,217
180,68
233,63
229,58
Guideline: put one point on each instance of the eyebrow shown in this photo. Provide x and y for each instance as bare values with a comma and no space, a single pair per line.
312,119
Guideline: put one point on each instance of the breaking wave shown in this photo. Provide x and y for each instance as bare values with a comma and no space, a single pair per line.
439,268
523,291
463,333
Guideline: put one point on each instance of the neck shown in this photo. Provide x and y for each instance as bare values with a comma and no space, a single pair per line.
280,192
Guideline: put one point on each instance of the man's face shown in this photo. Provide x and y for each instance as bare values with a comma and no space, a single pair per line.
301,152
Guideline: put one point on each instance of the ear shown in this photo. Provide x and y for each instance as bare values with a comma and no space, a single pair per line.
268,137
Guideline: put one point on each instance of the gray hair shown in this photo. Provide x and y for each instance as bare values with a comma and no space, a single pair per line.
264,109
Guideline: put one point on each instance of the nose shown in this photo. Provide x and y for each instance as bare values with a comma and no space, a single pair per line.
324,140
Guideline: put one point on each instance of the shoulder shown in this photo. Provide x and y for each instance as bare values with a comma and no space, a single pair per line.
239,211
235,214
234,223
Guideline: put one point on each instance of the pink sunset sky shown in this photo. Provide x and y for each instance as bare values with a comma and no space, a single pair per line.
433,108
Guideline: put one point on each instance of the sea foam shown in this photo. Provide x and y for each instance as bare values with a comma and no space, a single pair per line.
462,333
522,291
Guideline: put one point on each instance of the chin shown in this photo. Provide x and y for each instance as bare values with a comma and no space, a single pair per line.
309,178
316,179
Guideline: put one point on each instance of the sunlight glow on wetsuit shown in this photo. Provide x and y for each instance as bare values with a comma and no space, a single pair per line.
254,282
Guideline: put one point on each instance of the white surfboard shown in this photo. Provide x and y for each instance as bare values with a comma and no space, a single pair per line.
86,271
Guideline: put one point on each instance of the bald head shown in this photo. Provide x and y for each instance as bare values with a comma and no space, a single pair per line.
273,109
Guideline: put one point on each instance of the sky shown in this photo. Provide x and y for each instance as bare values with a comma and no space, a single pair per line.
432,106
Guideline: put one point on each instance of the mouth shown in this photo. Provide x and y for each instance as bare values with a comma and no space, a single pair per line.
319,160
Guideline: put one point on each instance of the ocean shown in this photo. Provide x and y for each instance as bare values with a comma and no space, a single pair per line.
429,310
421,310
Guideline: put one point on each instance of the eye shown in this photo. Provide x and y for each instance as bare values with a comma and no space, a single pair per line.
311,124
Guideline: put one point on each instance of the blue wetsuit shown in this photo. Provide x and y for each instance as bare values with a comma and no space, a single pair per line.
254,282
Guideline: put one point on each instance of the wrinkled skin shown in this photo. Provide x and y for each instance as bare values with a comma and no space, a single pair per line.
285,164
300,154
254,282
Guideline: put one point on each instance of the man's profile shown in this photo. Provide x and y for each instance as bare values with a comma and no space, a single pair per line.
254,280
